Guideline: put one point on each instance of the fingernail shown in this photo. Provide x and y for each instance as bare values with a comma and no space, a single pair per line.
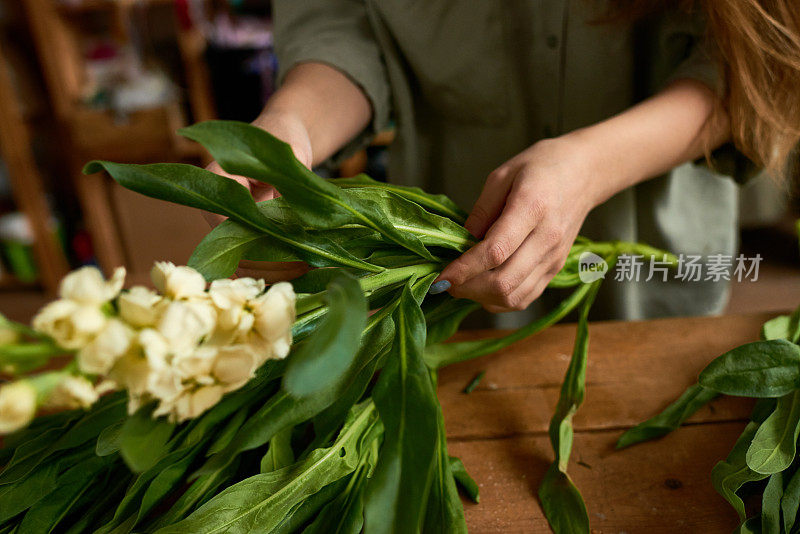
439,287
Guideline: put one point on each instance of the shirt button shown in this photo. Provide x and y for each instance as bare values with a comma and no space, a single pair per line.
552,41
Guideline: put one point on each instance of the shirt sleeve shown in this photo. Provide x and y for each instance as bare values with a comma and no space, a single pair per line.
337,33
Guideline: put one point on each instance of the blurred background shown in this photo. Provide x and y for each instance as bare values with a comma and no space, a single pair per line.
114,79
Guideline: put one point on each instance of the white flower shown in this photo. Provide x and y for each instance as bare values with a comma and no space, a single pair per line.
87,285
235,366
17,406
274,313
140,307
99,356
193,403
177,282
184,323
73,392
71,324
230,298
196,365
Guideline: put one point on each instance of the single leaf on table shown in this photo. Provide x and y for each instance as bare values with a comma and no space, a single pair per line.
406,399
464,479
732,473
143,439
260,503
280,453
775,443
245,150
760,369
771,505
440,204
202,189
327,359
562,503
671,418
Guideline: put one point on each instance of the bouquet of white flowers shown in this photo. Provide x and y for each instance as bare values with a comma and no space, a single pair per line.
213,428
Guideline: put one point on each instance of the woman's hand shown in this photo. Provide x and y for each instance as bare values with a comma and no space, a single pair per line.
290,129
528,215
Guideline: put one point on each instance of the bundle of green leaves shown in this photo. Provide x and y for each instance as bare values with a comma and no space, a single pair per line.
347,432
767,370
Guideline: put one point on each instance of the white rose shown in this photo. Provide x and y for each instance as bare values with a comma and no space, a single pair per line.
274,313
235,366
87,285
69,323
177,282
17,406
230,297
140,307
196,365
73,392
185,323
99,356
193,403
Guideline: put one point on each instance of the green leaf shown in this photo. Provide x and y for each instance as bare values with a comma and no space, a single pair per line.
259,503
302,513
143,439
406,216
16,498
280,453
562,503
440,204
444,511
445,316
774,444
777,328
345,513
464,480
407,403
48,512
219,253
750,526
198,188
224,438
760,369
671,418
771,505
732,473
107,411
245,150
326,360
790,501
167,480
108,442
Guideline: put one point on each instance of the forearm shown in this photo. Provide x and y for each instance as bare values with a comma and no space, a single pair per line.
677,125
324,102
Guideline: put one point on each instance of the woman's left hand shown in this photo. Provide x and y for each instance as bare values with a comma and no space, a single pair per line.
528,215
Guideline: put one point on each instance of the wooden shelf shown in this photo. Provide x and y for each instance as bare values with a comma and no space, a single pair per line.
87,6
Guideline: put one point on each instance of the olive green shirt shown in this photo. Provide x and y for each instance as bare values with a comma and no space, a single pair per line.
470,83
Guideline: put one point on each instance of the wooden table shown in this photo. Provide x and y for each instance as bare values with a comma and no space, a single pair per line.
635,370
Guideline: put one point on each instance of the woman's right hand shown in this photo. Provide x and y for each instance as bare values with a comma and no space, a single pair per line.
290,129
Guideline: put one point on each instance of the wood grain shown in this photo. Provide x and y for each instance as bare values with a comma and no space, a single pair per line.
635,370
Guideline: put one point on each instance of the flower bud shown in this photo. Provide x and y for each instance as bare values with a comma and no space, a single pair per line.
139,307
73,392
179,282
70,324
99,356
17,405
87,285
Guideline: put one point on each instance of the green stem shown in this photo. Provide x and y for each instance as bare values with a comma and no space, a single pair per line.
441,354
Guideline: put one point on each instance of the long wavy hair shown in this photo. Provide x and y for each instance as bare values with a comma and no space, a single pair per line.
759,45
